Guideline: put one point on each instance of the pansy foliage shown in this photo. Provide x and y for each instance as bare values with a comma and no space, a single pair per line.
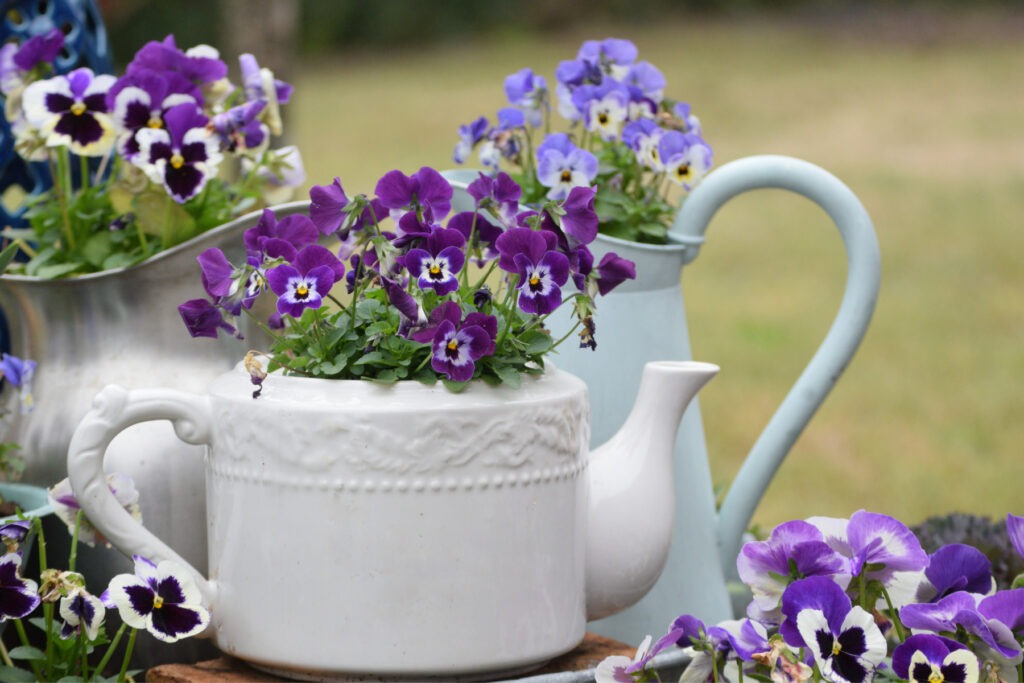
413,292
641,150
137,160
855,600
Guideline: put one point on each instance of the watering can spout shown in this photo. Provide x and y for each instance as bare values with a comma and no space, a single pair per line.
632,495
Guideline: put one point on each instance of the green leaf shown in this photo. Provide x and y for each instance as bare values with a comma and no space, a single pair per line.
71,679
1018,582
27,652
10,674
56,270
537,342
454,387
120,259
97,248
7,255
508,375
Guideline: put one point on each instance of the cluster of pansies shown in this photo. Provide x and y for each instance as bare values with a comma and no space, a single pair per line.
409,295
625,138
159,598
851,601
135,160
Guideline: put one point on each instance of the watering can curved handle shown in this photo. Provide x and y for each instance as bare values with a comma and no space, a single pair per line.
843,338
113,410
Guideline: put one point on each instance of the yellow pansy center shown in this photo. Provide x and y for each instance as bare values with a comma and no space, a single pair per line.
453,345
566,176
78,108
302,291
836,648
435,269
155,122
177,161
158,602
683,171
534,280
602,118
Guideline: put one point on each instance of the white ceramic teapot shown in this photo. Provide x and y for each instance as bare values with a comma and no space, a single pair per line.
407,531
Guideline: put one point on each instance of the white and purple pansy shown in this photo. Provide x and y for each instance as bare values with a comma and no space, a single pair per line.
794,550
927,658
878,545
18,596
13,533
81,611
604,107
140,102
622,669
501,191
161,598
643,136
305,282
846,643
183,156
71,110
685,157
437,265
561,165
542,270
197,66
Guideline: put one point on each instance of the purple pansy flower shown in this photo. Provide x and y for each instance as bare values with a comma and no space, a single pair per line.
403,301
620,668
578,220
72,110
456,346
689,121
39,49
161,598
327,206
542,270
561,165
436,266
500,191
273,238
685,157
181,157
956,567
470,135
926,658
239,127
305,281
1015,529
196,66
1006,607
960,610
646,83
528,91
217,272
612,271
608,52
426,188
18,596
843,638
643,137
81,610
794,550
16,370
204,319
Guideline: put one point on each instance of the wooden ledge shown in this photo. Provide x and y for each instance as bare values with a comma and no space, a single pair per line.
225,669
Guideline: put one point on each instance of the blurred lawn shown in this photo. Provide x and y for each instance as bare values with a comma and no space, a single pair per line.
928,132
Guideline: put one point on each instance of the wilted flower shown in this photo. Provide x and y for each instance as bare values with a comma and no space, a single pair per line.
67,508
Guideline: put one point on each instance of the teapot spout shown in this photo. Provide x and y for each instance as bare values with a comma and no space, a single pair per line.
632,495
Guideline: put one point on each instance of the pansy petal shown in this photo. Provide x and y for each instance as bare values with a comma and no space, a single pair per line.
173,622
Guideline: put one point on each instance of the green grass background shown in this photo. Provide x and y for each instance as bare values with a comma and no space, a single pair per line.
922,117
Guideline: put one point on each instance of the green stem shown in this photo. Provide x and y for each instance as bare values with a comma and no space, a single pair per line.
110,649
567,335
487,274
73,554
5,656
48,617
62,187
83,171
509,316
36,670
900,633
127,655
262,325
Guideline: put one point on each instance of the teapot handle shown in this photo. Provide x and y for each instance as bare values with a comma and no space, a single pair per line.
113,410
842,340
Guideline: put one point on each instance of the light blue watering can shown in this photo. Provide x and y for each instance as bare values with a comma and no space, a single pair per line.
645,320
